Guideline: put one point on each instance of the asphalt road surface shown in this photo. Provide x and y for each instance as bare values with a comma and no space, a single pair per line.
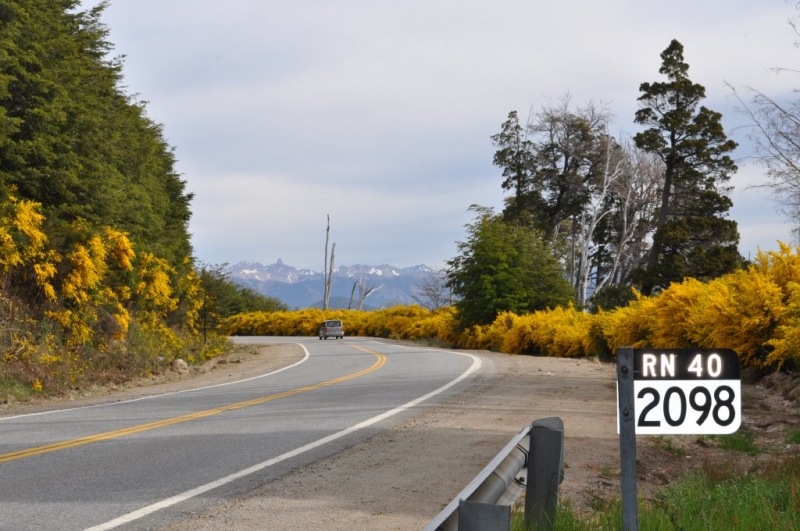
136,464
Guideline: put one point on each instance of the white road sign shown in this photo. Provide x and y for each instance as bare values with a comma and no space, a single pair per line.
686,391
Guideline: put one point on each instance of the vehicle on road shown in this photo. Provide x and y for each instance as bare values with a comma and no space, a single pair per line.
331,328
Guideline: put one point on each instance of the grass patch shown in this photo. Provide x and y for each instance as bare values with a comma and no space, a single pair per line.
666,444
748,502
606,472
606,517
793,437
10,388
699,502
741,441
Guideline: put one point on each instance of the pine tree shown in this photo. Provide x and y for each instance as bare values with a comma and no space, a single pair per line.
515,155
693,238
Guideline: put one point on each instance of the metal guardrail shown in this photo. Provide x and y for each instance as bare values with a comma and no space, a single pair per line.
533,458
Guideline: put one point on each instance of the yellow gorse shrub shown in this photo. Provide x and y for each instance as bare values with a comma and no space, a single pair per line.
188,286
23,243
154,287
120,248
562,332
781,267
87,270
786,339
89,288
630,325
670,314
755,312
97,304
741,312
21,235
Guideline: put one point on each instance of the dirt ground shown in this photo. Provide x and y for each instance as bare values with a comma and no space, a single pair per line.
375,485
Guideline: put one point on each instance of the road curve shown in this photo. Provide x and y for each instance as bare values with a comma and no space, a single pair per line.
138,464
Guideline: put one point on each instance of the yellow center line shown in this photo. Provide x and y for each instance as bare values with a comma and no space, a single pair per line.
381,361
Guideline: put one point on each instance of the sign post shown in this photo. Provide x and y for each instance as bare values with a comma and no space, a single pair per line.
627,439
671,392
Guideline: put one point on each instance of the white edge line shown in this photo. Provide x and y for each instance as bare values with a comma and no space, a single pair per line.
305,357
163,504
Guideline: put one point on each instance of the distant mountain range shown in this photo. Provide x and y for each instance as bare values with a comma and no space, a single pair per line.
303,288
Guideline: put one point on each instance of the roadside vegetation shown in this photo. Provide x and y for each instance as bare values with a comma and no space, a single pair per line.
98,283
714,497
753,311
604,242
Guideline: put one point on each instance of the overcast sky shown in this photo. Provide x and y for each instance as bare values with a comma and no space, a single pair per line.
379,112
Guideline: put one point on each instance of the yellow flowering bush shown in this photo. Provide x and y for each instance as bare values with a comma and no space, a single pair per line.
786,339
741,311
630,325
21,235
23,244
755,312
153,287
96,309
191,301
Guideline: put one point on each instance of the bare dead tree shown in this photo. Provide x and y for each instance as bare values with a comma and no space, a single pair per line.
352,294
328,271
595,210
325,269
329,277
637,194
431,291
776,135
623,200
364,290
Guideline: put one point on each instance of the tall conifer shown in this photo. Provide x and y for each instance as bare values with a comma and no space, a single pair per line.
693,237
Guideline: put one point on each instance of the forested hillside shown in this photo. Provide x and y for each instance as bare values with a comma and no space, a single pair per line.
74,142
97,277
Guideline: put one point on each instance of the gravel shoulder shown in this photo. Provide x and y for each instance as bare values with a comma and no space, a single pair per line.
244,361
402,477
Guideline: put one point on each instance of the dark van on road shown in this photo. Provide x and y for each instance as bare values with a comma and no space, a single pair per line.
331,329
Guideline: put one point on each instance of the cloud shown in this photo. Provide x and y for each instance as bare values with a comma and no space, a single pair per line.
380,113
266,217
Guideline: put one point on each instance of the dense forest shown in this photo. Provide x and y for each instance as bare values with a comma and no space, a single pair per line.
97,276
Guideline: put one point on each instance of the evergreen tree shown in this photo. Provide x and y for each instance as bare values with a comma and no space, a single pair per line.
73,141
589,195
515,155
692,236
550,164
222,297
504,267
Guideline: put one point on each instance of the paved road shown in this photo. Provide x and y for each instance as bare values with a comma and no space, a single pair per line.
138,464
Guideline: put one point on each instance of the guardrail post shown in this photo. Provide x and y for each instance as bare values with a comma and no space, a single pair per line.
545,472
475,516
486,502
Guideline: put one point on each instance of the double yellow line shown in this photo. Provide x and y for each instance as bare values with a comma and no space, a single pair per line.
380,362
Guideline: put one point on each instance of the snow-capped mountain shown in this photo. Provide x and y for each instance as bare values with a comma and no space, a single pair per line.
278,272
303,288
